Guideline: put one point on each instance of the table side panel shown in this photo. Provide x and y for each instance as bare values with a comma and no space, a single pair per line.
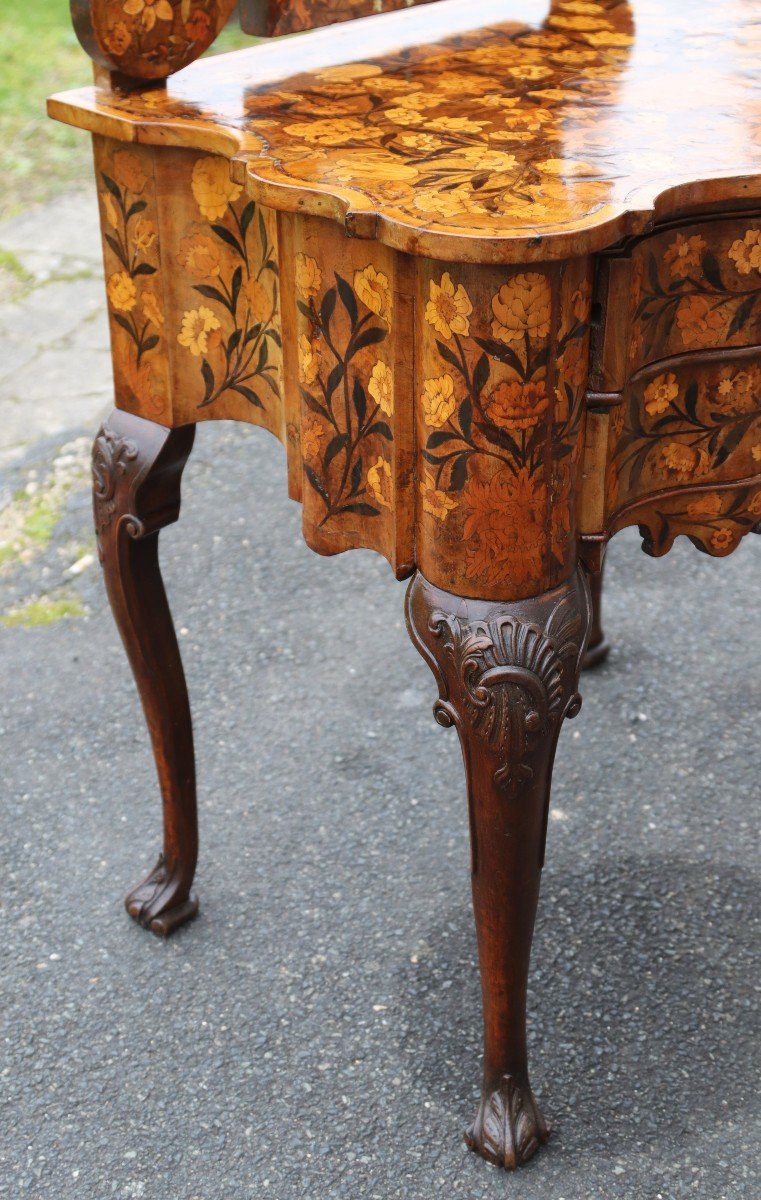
680,340
500,370
193,288
687,424
683,289
353,338
686,420
129,215
435,415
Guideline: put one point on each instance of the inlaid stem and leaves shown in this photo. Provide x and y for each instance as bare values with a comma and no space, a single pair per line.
347,385
232,263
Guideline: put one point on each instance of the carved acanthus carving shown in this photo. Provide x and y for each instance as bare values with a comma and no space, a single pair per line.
111,457
511,673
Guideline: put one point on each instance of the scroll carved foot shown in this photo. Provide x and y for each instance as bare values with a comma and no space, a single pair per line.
137,466
160,903
509,1128
507,673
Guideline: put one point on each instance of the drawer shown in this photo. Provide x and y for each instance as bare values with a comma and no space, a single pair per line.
693,287
696,422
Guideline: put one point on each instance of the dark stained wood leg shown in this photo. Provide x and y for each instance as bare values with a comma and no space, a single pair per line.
599,647
507,675
137,466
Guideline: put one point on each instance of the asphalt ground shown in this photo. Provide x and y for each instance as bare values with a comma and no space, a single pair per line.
316,1032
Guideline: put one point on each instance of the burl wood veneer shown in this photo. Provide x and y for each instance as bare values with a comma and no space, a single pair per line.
492,274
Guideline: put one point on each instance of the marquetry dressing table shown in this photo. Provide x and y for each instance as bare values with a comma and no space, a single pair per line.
493,277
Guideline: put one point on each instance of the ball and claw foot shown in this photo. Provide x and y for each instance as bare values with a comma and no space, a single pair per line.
155,905
509,1128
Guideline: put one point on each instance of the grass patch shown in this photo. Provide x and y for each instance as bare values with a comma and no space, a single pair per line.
41,520
15,280
41,55
28,524
45,611
12,265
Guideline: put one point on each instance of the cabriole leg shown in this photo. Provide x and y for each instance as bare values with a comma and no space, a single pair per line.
598,648
507,674
137,466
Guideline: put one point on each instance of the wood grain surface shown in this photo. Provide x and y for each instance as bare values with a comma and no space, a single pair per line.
476,130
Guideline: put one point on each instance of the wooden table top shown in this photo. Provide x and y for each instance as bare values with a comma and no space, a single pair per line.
535,137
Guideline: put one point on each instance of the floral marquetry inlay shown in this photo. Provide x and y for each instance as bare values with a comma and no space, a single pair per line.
695,290
192,281
346,314
228,257
498,422
148,39
714,520
134,283
692,424
513,125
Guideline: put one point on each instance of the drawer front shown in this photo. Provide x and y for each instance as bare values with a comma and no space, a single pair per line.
694,423
681,290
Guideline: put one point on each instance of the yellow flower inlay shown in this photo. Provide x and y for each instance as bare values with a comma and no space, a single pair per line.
456,124
312,434
374,290
438,400
684,254
518,406
149,11
122,292
309,360
144,234
708,505
118,39
197,324
660,393
448,308
746,252
522,307
257,296
435,502
379,481
683,462
308,276
700,322
381,387
213,188
723,538
330,131
112,213
128,171
151,308
199,256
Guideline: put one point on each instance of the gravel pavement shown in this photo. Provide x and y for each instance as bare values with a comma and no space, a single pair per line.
316,1032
